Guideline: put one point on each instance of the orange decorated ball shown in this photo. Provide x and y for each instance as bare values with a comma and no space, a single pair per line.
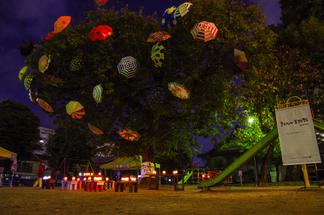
101,2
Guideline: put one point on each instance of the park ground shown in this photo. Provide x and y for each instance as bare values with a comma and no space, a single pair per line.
224,200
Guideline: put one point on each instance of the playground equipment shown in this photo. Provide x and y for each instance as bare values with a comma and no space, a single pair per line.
186,176
318,124
196,176
247,155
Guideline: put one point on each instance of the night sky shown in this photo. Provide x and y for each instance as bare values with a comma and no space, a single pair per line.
32,19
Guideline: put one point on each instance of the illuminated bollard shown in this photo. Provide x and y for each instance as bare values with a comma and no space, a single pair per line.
64,183
79,184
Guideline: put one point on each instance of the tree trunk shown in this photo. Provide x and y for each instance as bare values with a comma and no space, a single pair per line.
265,166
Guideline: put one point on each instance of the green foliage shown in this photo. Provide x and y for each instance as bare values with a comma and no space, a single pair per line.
285,73
307,36
76,63
251,130
250,135
243,29
18,129
166,128
294,12
303,30
82,64
280,71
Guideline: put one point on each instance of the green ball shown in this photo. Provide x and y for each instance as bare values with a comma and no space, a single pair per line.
76,64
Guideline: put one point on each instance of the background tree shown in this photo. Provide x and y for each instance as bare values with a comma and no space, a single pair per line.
73,143
164,122
303,29
275,73
285,72
293,12
18,129
246,31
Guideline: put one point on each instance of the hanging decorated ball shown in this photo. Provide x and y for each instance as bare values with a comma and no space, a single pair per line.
61,24
159,36
204,31
127,67
182,10
75,110
240,59
43,63
76,63
95,130
101,2
27,81
168,18
157,55
73,106
79,114
100,32
97,93
49,36
129,135
22,73
45,105
179,90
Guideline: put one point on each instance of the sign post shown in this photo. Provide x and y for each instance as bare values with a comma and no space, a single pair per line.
297,135
305,174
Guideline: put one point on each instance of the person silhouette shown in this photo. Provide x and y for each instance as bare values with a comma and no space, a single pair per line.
40,174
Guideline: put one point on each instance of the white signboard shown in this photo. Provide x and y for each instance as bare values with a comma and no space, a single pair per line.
297,135
147,169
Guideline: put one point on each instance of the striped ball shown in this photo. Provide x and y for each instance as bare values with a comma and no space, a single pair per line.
27,81
127,67
97,93
204,31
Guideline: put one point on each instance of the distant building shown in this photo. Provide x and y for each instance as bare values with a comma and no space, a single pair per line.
44,135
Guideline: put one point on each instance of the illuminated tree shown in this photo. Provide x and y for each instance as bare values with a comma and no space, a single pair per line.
163,101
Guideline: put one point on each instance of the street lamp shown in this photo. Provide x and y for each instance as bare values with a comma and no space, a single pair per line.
250,120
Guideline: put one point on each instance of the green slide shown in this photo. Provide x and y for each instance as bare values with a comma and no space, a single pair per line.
319,125
186,176
240,161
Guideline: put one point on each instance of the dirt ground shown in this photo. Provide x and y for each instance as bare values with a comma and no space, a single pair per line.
225,200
